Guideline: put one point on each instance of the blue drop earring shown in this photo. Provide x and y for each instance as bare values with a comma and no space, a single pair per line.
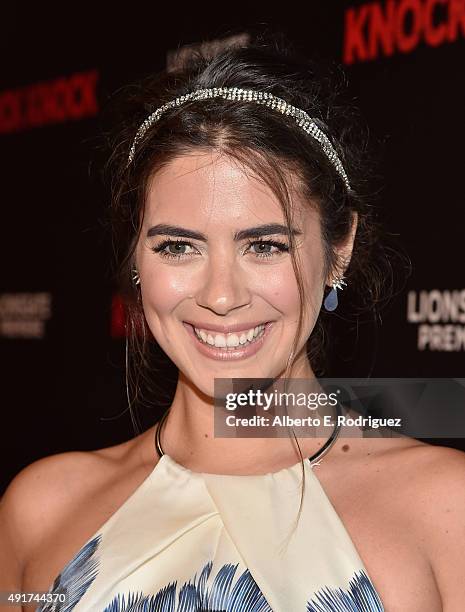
331,302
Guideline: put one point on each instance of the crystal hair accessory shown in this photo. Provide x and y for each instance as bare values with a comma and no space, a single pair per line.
331,302
303,120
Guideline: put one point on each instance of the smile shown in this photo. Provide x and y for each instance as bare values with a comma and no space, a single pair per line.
230,340
234,345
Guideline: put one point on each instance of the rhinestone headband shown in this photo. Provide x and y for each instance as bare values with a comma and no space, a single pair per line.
302,119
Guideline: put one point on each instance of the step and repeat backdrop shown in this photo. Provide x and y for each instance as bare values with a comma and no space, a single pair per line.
62,338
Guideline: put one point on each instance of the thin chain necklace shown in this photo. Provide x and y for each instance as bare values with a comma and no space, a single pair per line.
317,456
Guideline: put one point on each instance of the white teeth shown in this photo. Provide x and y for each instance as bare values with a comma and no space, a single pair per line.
232,340
229,340
220,340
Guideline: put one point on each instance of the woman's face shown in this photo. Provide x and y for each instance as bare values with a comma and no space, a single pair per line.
208,270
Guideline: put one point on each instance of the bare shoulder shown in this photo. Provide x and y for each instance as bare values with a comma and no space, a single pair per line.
426,468
433,491
429,469
403,474
45,492
42,490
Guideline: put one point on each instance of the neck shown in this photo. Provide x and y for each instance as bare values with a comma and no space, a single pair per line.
188,437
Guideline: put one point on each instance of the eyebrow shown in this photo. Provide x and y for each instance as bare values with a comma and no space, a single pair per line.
163,229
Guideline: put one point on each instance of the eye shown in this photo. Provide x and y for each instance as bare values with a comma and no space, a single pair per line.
177,245
264,244
175,249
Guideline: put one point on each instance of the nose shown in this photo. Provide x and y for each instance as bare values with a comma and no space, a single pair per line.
224,287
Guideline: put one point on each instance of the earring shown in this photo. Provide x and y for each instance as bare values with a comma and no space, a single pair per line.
135,276
331,302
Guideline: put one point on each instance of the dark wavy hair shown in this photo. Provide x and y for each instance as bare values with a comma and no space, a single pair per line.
268,143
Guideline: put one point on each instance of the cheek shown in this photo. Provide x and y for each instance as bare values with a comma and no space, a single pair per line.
281,284
279,288
164,288
283,294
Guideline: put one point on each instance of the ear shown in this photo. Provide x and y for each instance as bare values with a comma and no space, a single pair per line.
344,251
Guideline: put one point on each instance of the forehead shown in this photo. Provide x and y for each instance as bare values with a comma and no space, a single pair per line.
211,185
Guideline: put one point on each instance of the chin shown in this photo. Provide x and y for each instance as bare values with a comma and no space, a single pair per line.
205,381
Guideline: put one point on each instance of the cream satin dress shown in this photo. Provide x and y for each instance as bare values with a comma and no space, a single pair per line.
186,541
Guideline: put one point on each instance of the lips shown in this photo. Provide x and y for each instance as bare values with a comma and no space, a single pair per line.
229,353
226,329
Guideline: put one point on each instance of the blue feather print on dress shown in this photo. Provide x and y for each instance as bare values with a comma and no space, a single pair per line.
75,578
196,596
361,597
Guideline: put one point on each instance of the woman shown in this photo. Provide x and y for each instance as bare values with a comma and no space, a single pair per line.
235,209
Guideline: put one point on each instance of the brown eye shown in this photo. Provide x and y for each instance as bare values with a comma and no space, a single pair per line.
176,249
264,246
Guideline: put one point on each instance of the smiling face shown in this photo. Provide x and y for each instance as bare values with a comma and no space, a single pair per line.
204,264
